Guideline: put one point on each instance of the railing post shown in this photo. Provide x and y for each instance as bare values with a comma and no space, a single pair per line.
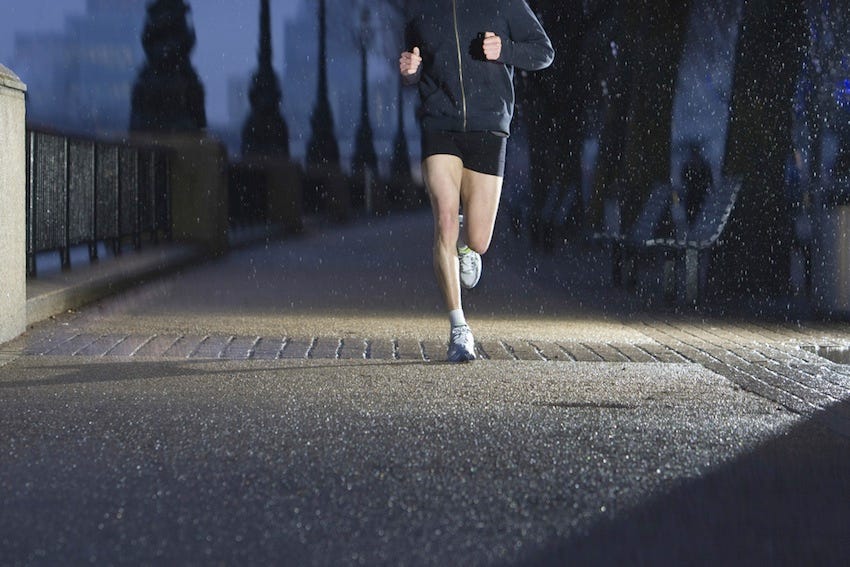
137,221
13,297
31,149
93,255
65,251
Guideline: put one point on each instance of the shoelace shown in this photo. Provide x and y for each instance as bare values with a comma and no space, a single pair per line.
467,260
460,335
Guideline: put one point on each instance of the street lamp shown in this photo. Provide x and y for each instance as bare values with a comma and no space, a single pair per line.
364,164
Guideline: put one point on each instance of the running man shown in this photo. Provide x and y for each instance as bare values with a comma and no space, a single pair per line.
462,55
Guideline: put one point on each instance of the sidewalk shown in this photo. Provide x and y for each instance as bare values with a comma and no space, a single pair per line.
366,292
287,403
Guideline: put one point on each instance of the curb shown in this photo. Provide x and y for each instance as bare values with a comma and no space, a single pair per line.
57,293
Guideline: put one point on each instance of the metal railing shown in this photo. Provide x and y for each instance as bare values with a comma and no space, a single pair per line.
82,191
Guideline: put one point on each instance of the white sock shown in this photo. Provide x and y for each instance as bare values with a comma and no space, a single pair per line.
456,318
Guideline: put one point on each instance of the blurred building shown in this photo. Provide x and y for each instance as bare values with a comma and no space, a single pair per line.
81,78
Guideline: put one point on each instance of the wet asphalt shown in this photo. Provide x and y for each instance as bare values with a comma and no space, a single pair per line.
118,460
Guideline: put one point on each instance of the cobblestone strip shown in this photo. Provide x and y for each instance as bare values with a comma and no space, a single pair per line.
240,348
548,354
520,350
551,351
268,348
748,376
298,348
505,351
233,347
747,359
813,334
325,348
408,349
807,385
663,353
157,345
41,343
102,345
633,353
493,350
742,379
212,347
349,349
185,346
793,363
428,349
129,346
379,350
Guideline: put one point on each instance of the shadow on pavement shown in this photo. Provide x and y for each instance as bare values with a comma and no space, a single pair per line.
787,503
159,369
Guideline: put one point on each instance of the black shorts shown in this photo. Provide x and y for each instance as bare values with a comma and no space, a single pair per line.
483,152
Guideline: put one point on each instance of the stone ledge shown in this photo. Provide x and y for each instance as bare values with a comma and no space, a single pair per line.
69,290
10,80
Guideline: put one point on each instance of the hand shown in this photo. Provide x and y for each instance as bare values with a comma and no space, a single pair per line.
492,46
409,62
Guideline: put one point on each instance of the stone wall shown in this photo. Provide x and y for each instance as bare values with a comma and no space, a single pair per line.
13,298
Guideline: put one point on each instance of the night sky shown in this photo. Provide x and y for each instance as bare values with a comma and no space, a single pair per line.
215,59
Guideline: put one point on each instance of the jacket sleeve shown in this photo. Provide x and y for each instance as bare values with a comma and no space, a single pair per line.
528,46
411,40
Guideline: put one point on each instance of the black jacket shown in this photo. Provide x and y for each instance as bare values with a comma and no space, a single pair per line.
459,89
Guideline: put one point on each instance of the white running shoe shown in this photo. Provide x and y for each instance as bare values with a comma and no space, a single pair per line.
470,267
469,260
461,345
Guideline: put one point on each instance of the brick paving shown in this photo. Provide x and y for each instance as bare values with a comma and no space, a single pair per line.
232,347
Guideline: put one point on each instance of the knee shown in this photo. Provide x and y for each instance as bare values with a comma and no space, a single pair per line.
447,226
480,248
479,242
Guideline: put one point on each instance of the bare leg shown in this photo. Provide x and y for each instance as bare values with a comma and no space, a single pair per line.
443,177
449,184
480,194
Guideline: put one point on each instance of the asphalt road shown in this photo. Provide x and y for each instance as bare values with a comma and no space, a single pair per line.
117,460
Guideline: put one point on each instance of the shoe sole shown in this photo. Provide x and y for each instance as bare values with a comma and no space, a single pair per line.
470,286
461,358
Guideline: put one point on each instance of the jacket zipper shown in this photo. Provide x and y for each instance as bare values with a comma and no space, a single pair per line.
459,64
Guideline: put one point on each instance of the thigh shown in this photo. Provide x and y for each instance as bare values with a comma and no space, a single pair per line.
480,194
443,175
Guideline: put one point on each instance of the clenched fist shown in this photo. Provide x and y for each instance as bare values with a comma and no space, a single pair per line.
492,46
410,62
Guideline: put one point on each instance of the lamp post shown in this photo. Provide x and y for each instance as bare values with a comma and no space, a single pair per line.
364,164
322,149
168,96
265,131
400,163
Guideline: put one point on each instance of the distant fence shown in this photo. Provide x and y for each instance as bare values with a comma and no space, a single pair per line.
81,191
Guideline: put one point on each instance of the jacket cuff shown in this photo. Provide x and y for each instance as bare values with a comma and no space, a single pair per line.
507,54
410,80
